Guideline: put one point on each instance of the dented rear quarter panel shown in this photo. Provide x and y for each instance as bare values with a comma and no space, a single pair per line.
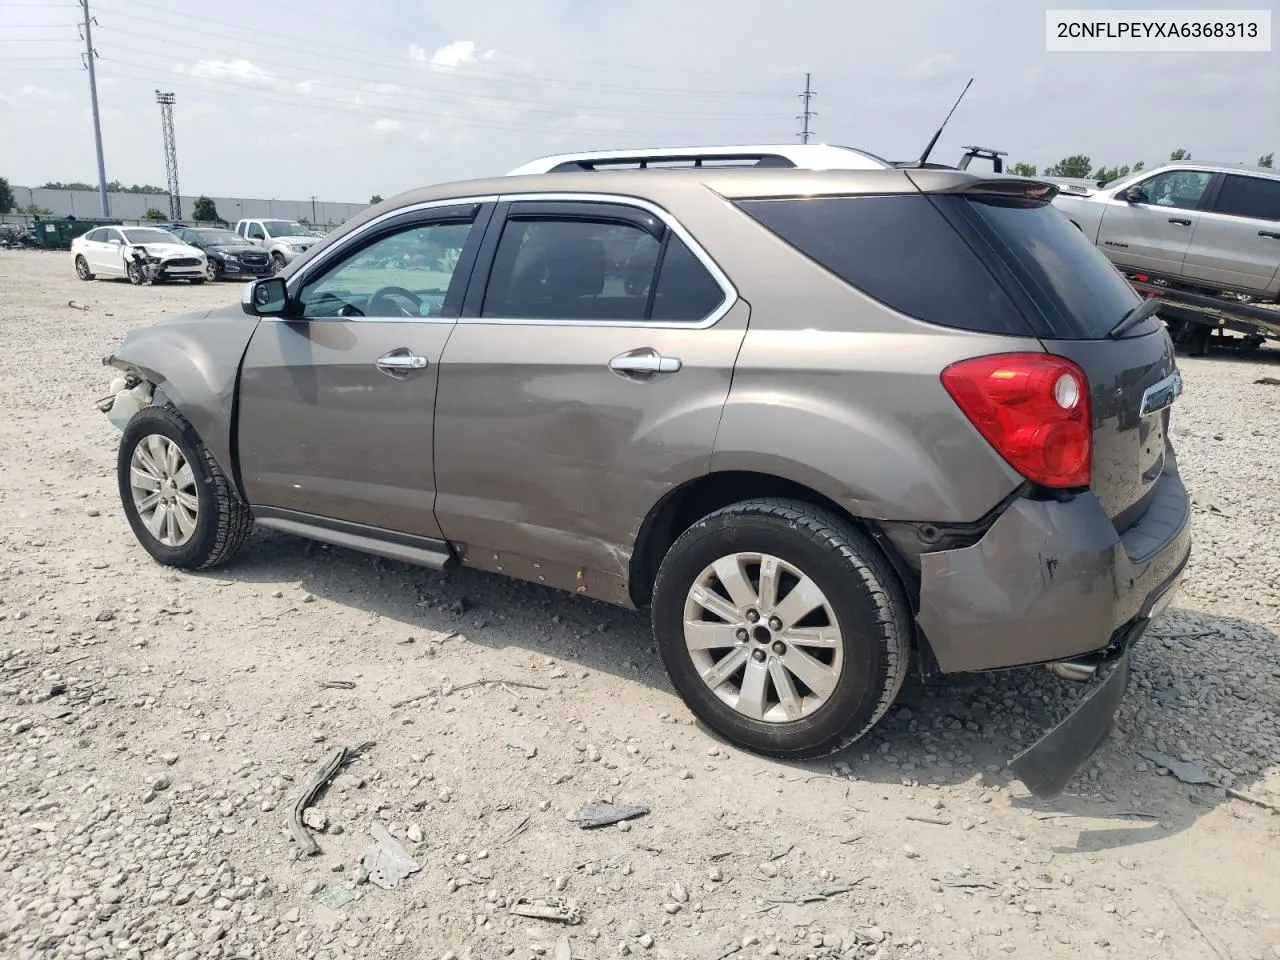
194,360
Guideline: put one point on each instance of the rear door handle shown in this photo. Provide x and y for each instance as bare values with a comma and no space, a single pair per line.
400,361
644,361
1185,223
1270,234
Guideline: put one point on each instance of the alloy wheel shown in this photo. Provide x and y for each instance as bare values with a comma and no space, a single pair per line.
164,490
763,637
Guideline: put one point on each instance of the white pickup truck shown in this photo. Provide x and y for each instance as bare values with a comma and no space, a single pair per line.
284,240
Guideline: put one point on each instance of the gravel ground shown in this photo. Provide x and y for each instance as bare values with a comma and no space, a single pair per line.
156,727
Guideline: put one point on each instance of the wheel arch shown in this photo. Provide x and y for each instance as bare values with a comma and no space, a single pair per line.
684,505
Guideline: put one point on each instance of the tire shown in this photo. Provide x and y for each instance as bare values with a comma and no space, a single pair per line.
82,268
222,521
134,273
212,271
863,664
278,262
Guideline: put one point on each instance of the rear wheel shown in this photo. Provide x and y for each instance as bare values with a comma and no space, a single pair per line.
181,507
782,626
82,268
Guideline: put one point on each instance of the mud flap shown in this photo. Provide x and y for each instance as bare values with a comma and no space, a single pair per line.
1048,765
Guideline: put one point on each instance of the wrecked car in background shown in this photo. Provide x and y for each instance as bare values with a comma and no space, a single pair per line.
812,420
129,251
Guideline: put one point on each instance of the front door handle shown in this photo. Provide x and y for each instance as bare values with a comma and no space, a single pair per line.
1270,234
399,362
644,361
1185,223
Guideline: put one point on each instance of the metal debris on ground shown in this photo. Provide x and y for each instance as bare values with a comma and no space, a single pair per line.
951,880
1192,773
1268,381
324,773
336,897
821,895
338,684
547,908
591,815
514,832
386,862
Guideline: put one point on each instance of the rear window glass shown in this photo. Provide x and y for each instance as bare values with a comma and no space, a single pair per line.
899,250
1065,279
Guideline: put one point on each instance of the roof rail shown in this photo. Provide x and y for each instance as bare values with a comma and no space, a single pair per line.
817,156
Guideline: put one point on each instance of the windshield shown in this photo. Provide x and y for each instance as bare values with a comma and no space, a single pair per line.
219,238
148,235
285,228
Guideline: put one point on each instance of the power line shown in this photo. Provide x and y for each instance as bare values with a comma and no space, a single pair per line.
808,114
423,93
327,104
417,65
89,55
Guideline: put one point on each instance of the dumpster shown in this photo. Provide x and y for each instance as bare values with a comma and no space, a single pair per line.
58,234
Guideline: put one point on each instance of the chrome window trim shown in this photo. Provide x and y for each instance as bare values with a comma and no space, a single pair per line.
721,278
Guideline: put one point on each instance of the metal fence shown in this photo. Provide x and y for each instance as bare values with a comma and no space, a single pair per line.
133,207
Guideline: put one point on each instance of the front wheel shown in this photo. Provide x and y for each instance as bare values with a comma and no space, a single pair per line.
134,272
782,626
181,506
82,268
211,271
278,262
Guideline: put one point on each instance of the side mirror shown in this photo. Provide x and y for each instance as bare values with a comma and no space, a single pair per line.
267,297
114,241
1135,195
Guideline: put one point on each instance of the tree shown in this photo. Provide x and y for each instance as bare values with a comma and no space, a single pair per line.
1263,161
153,214
1179,155
1024,170
376,198
6,196
1077,166
1137,167
35,210
205,210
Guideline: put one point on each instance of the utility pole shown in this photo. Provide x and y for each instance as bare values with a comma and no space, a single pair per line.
170,153
313,209
89,56
807,96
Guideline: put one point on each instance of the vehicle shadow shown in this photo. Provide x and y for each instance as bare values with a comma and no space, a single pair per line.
960,730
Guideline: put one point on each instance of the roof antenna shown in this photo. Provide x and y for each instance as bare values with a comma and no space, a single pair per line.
929,149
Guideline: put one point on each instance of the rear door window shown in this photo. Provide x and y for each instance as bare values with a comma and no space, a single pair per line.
569,268
899,250
1255,197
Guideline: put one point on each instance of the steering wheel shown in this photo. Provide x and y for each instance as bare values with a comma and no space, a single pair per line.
385,293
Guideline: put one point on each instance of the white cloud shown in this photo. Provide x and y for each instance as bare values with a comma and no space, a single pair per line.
453,54
425,133
384,125
227,70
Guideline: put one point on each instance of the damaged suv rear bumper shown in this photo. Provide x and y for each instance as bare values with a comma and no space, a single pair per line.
1052,582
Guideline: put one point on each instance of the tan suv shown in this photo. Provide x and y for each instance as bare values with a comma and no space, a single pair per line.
815,420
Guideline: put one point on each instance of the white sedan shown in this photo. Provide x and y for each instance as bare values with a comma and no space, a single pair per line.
125,251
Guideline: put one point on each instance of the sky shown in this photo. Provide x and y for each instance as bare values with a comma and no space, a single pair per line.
343,99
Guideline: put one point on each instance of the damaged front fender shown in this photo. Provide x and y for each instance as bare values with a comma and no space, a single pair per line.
193,360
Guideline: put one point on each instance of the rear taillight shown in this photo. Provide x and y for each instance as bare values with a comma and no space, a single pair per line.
1033,408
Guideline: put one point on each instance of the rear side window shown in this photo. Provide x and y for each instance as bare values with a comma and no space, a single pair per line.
565,268
899,250
1063,281
1255,197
